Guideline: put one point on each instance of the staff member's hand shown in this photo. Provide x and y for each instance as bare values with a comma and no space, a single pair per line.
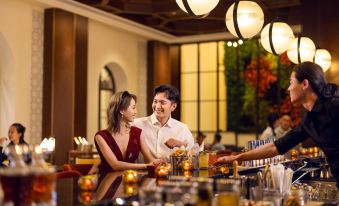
225,160
171,143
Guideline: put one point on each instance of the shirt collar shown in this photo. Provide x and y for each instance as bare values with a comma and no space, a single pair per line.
155,121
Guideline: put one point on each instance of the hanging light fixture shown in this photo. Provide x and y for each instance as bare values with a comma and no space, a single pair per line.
244,19
198,8
323,58
301,49
276,37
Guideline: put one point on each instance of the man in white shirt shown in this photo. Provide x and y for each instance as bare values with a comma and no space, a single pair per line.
161,132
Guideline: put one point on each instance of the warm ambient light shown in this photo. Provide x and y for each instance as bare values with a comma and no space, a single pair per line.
323,59
301,49
249,19
276,37
48,144
197,7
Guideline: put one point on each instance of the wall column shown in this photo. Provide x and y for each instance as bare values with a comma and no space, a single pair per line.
65,79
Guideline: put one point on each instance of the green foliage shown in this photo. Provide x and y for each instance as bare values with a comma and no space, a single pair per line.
241,95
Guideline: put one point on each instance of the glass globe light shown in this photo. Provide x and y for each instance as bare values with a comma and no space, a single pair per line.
304,52
197,7
323,58
281,36
249,19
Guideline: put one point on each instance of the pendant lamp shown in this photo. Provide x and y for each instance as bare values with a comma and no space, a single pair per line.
244,19
301,49
197,8
323,58
276,37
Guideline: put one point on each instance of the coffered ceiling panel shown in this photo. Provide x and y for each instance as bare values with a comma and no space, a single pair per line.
166,16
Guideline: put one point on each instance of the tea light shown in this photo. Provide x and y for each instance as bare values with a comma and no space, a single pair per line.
223,169
310,150
162,171
294,153
130,176
316,150
131,189
85,197
187,173
88,182
187,165
303,151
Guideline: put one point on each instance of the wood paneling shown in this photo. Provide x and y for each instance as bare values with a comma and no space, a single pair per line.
65,79
320,23
158,68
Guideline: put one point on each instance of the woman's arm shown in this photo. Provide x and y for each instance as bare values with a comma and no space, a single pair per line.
265,151
95,168
145,150
111,158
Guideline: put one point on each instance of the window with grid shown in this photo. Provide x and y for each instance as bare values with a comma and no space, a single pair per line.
203,86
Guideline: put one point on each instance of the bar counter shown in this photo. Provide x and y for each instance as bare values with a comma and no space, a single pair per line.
111,187
112,190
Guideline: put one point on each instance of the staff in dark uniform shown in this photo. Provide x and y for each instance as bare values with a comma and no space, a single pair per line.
321,122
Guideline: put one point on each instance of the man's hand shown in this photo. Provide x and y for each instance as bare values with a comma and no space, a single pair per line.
225,160
171,143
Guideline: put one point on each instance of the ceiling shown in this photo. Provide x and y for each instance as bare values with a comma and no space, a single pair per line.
166,16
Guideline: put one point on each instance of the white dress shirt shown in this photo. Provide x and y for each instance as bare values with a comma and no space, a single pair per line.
155,136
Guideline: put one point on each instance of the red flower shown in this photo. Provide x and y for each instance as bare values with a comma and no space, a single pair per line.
266,76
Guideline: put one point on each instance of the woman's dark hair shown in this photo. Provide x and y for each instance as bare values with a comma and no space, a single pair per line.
271,119
20,129
315,76
119,101
171,92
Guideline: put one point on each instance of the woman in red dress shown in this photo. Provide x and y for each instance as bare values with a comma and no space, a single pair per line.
120,144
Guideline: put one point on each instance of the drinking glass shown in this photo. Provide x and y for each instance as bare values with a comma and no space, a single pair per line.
228,192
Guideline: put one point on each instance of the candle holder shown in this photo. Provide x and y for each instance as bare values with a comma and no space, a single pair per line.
162,171
187,165
223,169
130,189
130,177
88,182
86,197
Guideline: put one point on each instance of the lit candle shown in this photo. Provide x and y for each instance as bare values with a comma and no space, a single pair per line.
186,165
88,182
130,176
162,171
131,189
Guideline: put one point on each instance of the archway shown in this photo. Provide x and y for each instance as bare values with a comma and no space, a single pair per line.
7,83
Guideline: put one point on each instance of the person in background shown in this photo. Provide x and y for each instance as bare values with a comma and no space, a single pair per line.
217,146
285,125
120,144
161,132
273,122
320,99
200,140
16,136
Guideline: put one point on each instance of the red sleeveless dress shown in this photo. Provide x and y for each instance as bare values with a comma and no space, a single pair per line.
132,151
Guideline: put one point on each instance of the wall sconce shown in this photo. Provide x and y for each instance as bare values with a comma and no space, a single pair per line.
301,49
244,19
200,8
323,58
276,37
